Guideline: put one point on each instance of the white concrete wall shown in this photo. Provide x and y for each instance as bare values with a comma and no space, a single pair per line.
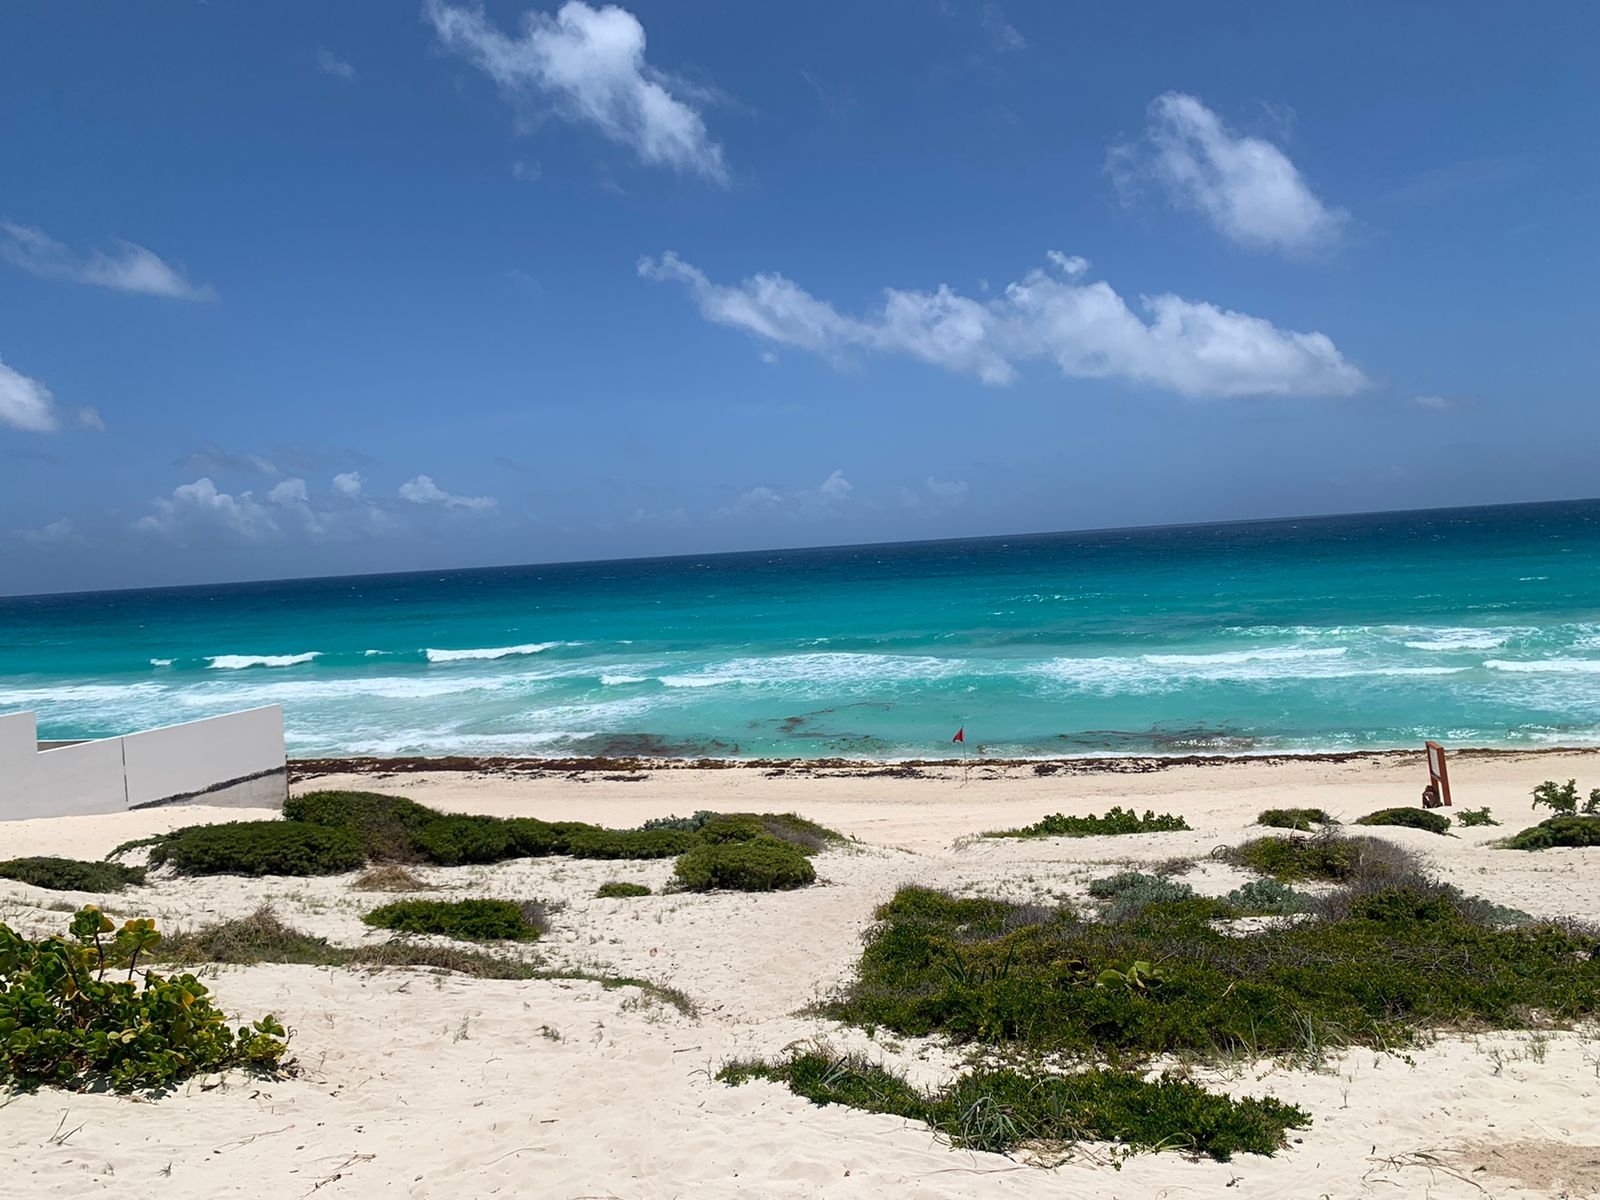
233,759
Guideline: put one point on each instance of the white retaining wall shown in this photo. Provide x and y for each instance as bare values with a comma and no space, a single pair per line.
237,759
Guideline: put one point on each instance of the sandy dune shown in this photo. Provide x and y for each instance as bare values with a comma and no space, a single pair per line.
415,1084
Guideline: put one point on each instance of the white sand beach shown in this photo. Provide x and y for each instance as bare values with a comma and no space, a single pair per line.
419,1084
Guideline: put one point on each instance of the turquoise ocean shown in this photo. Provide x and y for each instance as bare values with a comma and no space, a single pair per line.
1475,626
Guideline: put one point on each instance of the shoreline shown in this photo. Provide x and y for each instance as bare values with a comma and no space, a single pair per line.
908,768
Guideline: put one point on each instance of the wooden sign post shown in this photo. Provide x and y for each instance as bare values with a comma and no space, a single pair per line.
1437,793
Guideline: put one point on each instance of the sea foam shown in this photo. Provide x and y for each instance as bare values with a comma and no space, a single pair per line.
491,652
238,662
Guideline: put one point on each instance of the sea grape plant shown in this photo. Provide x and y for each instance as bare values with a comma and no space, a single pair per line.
64,1023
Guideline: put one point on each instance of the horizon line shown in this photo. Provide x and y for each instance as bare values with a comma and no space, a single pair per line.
810,549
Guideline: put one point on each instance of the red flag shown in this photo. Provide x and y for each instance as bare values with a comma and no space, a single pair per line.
961,735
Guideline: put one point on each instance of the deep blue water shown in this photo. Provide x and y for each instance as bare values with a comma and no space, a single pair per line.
1476,626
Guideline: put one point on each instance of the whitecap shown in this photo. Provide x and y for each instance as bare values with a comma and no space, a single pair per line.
1544,666
619,680
491,652
160,662
1230,658
373,653
238,662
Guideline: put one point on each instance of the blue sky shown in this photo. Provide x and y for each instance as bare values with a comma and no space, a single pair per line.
299,289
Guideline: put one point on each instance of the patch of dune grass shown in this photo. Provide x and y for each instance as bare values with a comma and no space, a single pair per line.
71,874
1118,820
1000,1109
1374,963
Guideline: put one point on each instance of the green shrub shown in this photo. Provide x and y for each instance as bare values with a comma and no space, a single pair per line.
1562,798
1408,818
630,843
998,1110
259,848
454,840
762,865
1268,897
682,824
1557,831
1399,961
1301,819
71,874
533,838
1130,892
1327,856
722,829
616,889
1470,817
469,920
63,1023
1118,820
385,824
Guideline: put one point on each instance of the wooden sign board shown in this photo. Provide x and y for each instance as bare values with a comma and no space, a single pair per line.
1437,793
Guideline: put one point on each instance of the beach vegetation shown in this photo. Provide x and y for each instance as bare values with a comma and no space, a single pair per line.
391,877
262,937
1303,820
64,1023
71,874
763,864
1562,798
617,889
1267,898
1118,820
1362,966
1557,831
465,920
999,1109
630,843
1470,818
1327,856
385,824
1408,818
259,848
1131,892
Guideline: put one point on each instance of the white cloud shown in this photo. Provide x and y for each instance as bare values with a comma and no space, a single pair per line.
589,64
1003,35
199,507
90,418
57,533
1436,403
130,268
1246,187
936,494
423,490
289,492
348,483
331,64
527,172
1189,347
826,498
25,403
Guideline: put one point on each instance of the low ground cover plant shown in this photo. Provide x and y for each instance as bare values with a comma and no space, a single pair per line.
259,848
1117,821
71,874
63,1022
263,937
391,877
1557,831
1267,898
1470,817
1304,820
329,832
1366,966
468,920
1408,818
616,889
763,864
1333,858
1000,1109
